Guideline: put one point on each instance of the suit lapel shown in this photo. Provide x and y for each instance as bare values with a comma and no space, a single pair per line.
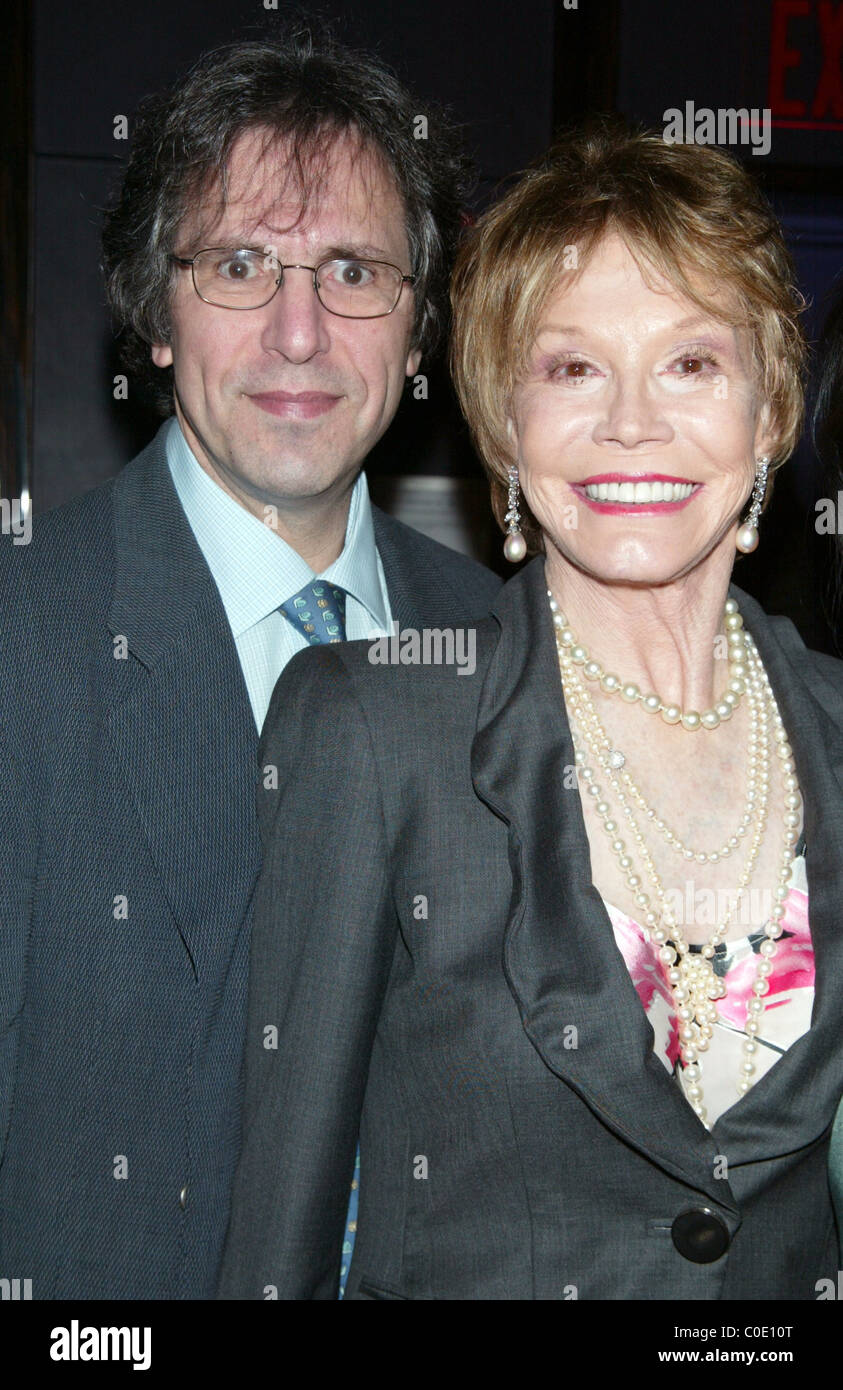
182,725
407,582
795,1102
560,957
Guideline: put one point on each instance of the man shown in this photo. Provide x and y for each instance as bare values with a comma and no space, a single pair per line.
276,258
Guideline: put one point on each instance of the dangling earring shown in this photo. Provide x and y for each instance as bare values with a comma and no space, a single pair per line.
515,546
747,537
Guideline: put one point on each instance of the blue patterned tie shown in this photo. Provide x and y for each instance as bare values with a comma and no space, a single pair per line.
318,610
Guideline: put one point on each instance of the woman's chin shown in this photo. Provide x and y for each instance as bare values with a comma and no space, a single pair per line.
644,569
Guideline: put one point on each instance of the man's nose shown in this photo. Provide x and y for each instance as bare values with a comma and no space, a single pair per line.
296,325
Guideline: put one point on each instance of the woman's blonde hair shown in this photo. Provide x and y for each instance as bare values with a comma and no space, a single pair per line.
690,211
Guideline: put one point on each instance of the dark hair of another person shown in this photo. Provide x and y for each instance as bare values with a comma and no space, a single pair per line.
305,94
827,422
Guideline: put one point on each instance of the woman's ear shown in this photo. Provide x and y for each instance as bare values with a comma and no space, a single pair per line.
766,438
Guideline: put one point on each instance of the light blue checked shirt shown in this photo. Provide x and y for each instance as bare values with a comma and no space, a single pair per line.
255,571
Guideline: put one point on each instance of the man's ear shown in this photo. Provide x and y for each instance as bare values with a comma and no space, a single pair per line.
162,354
413,361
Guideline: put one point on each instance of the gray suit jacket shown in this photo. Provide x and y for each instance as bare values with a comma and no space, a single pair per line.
442,975
130,851
835,1169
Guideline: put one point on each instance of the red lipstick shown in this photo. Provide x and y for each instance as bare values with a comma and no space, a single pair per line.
616,507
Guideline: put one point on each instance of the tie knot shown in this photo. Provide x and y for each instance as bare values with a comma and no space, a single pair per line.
317,611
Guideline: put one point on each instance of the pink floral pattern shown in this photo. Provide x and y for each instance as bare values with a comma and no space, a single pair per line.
788,1004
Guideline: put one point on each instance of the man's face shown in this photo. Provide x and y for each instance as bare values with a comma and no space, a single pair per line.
282,404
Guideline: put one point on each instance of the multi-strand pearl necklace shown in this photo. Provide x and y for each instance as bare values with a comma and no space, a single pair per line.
672,714
694,984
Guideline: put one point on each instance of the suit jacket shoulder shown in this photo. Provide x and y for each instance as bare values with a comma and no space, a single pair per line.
821,672
384,687
416,563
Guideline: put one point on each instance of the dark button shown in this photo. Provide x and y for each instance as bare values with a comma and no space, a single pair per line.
183,1197
700,1235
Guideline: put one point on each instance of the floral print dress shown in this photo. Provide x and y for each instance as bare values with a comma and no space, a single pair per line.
787,1008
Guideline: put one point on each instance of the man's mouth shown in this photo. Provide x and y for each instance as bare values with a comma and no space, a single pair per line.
295,405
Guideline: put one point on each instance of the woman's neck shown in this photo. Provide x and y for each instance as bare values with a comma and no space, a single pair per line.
663,638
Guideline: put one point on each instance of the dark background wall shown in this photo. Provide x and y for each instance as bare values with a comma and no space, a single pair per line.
511,74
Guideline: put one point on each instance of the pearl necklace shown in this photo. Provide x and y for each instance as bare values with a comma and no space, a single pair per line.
617,762
672,714
691,976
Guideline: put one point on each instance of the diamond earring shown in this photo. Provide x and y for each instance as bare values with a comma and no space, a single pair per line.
747,537
515,546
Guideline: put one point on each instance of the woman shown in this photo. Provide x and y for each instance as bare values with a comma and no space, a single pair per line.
828,441
547,937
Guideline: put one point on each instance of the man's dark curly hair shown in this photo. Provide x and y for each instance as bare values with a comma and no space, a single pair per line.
304,93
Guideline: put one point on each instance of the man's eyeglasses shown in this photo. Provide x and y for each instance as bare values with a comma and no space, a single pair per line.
244,279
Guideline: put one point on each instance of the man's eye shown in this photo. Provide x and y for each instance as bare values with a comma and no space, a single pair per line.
237,268
351,275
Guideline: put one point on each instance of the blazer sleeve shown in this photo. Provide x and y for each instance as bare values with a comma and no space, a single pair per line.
16,847
323,937
18,829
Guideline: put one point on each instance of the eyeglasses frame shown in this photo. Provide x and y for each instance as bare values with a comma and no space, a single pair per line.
185,261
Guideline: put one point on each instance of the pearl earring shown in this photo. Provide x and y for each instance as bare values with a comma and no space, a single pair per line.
747,537
515,546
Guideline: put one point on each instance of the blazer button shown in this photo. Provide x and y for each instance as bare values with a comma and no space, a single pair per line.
183,1197
700,1235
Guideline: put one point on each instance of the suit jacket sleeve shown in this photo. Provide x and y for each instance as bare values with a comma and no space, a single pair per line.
323,938
18,836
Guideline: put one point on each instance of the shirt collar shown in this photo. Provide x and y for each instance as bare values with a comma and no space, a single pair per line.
253,568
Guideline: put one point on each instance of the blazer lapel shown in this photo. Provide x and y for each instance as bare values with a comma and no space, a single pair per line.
795,1102
407,582
560,956
182,725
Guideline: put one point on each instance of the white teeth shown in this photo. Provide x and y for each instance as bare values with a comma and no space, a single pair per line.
638,492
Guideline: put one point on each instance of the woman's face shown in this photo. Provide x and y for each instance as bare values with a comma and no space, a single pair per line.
637,426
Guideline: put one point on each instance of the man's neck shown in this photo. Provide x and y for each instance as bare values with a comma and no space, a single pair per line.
314,527
316,533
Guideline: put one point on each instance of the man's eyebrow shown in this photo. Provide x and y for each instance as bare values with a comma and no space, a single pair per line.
357,250
346,250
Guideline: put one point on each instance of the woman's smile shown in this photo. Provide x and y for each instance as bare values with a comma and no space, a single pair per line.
644,494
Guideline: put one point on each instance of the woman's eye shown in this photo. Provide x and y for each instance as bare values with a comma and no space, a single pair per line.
693,364
572,371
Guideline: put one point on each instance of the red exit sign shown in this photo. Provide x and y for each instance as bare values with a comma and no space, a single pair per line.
806,64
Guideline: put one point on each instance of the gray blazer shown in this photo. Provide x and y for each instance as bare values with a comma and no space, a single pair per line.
443,976
128,859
